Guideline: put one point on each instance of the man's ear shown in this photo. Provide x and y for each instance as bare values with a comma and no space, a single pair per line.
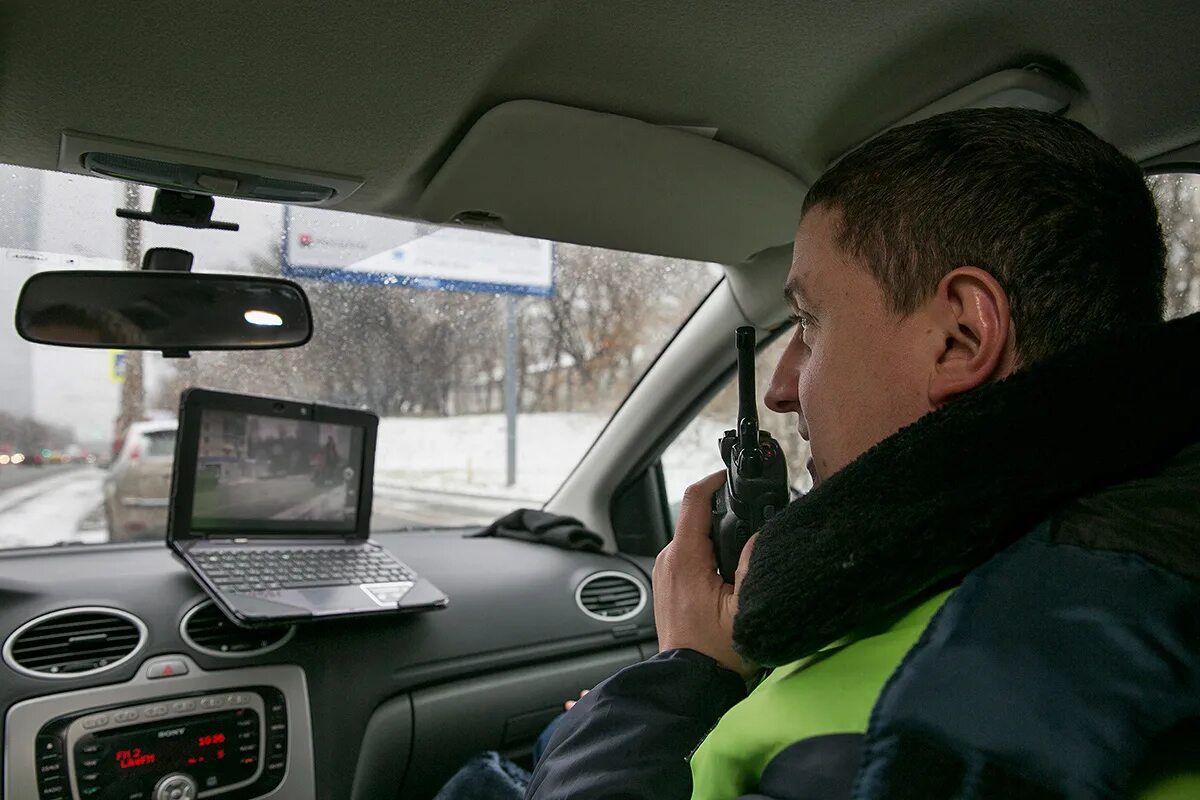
971,309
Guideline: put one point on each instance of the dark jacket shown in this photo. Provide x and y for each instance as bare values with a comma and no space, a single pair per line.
1067,663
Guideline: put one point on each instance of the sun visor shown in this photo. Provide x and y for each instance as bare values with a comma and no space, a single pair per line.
757,286
551,171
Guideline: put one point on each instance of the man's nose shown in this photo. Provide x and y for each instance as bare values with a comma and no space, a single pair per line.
782,396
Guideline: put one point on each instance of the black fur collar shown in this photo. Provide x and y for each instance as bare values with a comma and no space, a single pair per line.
946,493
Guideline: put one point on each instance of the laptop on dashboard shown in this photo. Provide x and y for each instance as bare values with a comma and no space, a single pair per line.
271,509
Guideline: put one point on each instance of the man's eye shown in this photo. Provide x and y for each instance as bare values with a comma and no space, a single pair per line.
805,326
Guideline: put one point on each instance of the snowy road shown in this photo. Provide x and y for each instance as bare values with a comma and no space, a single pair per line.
60,506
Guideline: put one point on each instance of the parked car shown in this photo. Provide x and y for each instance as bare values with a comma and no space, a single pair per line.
138,484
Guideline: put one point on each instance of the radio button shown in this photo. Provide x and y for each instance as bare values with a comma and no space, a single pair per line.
55,788
48,745
50,766
176,787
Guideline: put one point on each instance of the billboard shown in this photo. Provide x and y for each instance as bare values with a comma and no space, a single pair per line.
360,249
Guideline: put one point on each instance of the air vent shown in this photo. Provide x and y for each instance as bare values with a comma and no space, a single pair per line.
206,629
611,596
74,642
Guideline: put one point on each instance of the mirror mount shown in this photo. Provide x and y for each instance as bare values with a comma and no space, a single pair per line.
167,259
182,209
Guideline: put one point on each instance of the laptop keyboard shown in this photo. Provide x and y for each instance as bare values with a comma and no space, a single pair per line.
254,570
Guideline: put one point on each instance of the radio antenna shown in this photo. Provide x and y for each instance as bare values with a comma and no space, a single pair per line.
751,452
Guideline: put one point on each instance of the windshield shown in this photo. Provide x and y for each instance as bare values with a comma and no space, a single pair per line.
411,321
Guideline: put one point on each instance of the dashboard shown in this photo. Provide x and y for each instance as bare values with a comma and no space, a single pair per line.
353,708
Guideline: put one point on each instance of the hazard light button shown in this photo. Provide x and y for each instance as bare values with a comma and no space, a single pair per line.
166,668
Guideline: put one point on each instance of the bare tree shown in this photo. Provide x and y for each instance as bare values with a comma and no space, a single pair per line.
406,351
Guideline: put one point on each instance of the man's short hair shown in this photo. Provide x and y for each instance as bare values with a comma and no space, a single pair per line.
1059,217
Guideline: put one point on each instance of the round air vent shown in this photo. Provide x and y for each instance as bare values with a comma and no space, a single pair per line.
206,629
74,642
611,596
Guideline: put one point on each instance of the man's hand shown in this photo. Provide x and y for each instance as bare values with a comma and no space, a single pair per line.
567,706
693,607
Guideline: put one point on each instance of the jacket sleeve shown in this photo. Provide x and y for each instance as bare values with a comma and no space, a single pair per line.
631,736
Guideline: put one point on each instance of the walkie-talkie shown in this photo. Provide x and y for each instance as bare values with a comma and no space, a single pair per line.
756,486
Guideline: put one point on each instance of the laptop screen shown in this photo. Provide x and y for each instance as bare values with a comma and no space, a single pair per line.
258,473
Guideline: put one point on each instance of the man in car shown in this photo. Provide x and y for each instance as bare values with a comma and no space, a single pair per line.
993,591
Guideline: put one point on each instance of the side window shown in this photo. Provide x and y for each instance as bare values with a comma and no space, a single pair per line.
694,452
1178,198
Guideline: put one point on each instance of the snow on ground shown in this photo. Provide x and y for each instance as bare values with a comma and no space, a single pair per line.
692,455
467,453
58,508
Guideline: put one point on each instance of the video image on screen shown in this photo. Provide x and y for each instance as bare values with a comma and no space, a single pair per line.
252,468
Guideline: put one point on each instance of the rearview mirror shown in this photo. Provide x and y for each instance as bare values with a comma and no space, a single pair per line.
175,312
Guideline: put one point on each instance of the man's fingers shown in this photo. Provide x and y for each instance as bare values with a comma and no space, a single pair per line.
570,703
695,513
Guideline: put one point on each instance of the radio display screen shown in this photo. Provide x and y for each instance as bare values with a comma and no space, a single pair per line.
216,750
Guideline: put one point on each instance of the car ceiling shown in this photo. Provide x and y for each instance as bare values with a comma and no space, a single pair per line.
384,91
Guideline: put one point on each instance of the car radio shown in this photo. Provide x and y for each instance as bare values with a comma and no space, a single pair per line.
231,744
